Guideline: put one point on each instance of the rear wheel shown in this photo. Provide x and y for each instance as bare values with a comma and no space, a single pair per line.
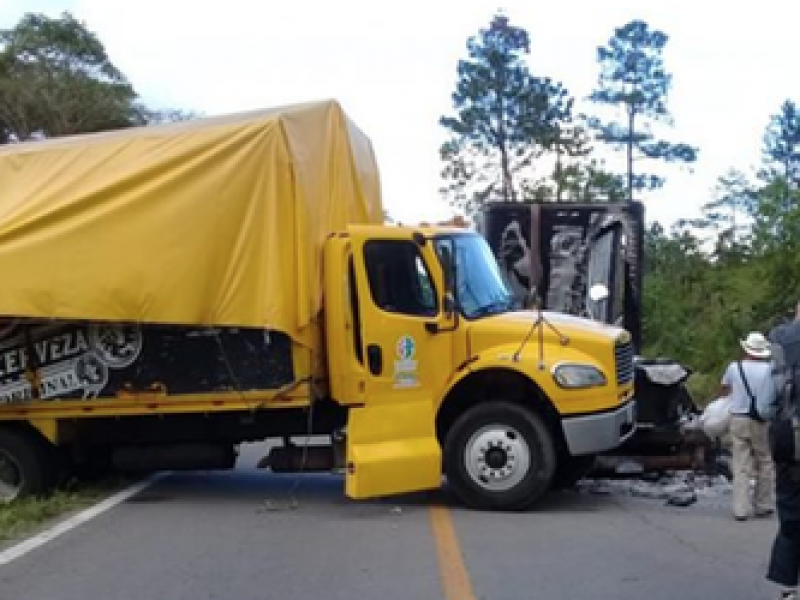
499,456
26,465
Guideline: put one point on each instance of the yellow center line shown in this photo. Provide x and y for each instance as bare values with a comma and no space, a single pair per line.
455,578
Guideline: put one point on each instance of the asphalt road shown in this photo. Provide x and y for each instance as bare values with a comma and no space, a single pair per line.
247,535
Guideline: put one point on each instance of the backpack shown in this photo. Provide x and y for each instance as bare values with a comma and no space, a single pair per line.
784,429
783,377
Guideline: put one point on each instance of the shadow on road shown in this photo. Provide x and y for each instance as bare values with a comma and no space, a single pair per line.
271,492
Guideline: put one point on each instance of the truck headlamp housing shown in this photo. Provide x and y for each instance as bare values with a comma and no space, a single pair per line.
574,376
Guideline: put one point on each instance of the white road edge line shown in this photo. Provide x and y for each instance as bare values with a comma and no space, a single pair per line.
18,550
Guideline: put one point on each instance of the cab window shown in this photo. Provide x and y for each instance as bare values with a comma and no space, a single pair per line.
399,280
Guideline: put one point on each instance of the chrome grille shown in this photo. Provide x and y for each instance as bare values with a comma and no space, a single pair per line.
623,359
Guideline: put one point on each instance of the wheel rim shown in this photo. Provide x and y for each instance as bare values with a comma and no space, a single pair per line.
497,457
10,478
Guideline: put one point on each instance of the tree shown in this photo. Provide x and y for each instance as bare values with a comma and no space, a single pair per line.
56,79
781,150
728,213
775,207
633,77
573,142
579,181
504,118
750,281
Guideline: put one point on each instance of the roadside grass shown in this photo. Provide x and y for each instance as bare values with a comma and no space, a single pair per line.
24,516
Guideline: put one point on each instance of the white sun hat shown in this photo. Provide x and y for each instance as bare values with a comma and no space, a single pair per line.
756,345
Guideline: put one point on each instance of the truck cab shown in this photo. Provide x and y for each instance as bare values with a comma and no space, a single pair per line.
443,371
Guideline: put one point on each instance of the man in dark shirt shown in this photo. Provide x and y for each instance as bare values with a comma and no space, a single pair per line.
784,565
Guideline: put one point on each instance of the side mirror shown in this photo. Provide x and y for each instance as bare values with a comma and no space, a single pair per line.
449,305
598,292
448,269
446,252
450,312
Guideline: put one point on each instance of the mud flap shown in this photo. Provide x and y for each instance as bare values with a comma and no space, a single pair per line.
392,449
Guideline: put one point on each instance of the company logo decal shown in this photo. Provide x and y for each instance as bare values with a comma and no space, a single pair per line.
69,359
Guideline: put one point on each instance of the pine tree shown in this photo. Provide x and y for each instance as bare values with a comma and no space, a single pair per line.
633,78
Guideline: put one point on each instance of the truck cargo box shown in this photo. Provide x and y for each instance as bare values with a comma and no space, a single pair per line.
211,222
556,251
82,361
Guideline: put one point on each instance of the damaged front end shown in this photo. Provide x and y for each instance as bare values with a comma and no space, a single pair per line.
667,437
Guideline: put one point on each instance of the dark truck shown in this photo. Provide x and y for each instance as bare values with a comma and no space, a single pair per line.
587,260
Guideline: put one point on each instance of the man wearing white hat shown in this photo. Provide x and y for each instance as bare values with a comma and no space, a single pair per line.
745,381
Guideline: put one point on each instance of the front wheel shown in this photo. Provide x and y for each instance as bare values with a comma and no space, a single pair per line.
499,456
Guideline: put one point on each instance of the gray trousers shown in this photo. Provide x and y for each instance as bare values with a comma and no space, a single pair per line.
751,460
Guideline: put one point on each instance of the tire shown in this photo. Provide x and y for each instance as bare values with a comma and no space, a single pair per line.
499,456
571,469
26,465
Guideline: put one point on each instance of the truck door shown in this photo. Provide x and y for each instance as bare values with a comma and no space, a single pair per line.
392,445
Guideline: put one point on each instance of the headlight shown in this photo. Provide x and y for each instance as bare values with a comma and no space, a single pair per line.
578,376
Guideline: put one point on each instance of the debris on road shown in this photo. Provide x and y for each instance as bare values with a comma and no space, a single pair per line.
682,499
678,488
276,506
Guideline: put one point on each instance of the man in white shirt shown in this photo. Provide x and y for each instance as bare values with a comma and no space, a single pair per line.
744,381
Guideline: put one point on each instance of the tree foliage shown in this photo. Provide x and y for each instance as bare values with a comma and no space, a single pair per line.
782,142
578,181
727,215
505,118
745,277
633,78
781,154
57,79
707,281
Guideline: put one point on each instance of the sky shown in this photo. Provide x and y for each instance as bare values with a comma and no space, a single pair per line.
392,65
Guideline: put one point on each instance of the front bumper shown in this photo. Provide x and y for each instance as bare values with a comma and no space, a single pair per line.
588,434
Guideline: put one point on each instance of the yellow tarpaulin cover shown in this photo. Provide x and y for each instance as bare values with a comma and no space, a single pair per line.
216,221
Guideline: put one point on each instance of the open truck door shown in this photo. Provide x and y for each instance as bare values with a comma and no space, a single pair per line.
403,355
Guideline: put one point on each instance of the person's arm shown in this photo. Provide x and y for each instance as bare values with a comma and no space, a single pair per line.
725,384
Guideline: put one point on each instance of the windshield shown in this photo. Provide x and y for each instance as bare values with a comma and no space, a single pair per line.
479,289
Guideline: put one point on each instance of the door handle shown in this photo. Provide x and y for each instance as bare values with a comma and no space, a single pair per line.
375,359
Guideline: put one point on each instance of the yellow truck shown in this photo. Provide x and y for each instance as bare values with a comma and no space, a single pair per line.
171,292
